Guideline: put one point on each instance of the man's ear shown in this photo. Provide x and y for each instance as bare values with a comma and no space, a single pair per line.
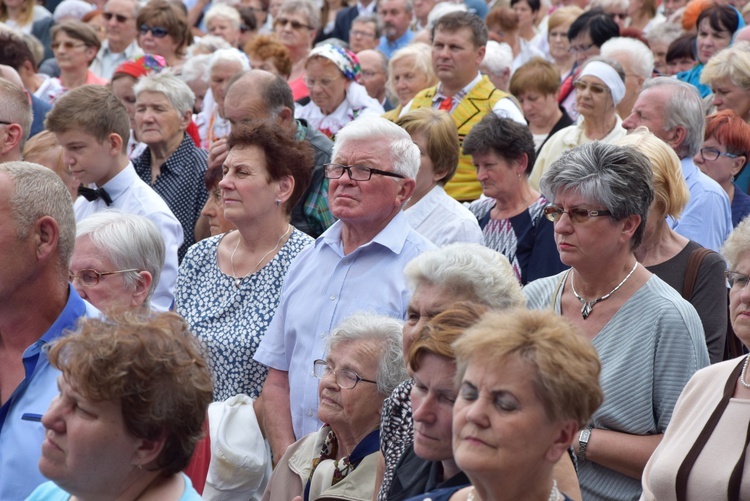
142,286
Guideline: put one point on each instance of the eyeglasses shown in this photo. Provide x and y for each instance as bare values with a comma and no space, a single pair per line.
619,15
345,378
580,48
323,82
736,280
712,154
356,172
281,21
2,122
66,45
576,214
156,31
119,17
595,88
89,278
363,34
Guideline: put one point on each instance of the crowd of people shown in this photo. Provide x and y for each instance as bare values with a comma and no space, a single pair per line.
374,250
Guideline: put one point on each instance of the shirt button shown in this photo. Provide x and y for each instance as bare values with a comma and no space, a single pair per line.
310,413
322,335
333,298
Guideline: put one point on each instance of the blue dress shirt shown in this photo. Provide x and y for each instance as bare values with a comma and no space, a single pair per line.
323,287
389,48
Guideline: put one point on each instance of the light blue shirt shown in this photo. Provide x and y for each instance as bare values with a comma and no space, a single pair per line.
130,194
707,218
49,491
21,440
322,288
388,48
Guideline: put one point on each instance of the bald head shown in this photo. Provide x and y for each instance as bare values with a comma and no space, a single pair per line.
260,95
8,73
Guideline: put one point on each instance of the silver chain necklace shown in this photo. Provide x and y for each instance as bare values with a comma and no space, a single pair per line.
589,305
238,280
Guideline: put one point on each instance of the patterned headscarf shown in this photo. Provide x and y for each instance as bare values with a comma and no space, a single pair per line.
344,59
142,66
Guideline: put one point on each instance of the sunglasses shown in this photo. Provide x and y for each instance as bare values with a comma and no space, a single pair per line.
66,45
120,18
296,25
593,87
156,31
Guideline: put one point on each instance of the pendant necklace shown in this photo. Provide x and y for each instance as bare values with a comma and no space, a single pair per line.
238,280
589,305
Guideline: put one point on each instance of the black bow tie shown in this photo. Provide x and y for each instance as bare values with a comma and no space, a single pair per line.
92,194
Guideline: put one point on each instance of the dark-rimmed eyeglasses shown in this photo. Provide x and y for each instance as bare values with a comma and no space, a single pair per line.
89,278
356,172
736,280
296,25
156,31
119,17
576,214
595,88
3,122
580,48
712,154
66,45
363,34
345,378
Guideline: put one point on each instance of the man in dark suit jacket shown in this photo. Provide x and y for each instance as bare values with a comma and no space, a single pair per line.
344,18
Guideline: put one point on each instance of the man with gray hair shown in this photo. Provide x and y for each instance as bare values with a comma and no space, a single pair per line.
673,112
37,305
260,95
374,71
357,265
120,44
636,60
15,120
396,16
364,33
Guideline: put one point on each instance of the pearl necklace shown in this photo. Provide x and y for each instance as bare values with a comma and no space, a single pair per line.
589,305
742,375
554,494
238,280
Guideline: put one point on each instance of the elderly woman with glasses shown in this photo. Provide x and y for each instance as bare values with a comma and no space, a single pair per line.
296,26
336,96
362,365
163,30
649,339
723,157
75,45
600,86
702,455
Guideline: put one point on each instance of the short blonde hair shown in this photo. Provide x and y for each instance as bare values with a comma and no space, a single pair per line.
737,245
442,138
732,62
563,15
671,193
422,54
566,364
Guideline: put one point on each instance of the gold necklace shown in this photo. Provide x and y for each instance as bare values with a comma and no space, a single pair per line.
238,280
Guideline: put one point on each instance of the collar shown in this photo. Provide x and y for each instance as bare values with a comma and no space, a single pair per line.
689,168
439,95
121,182
400,41
392,237
105,51
366,9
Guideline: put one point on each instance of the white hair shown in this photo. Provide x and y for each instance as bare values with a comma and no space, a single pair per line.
405,154
224,11
498,57
637,53
179,94
229,56
196,69
207,44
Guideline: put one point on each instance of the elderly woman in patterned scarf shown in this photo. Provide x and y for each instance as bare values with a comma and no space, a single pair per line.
336,97
363,364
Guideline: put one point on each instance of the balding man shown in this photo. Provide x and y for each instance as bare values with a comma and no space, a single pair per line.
15,120
673,112
259,95
37,305
120,44
355,266
374,70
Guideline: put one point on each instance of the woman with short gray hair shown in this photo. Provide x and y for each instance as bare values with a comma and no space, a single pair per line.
296,26
362,365
649,339
171,164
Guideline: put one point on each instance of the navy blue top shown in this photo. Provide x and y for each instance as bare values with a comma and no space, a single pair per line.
740,205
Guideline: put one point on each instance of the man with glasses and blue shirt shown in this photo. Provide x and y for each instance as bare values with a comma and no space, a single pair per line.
673,112
120,44
37,306
355,266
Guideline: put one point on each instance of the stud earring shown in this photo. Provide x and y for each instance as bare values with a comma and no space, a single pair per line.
278,201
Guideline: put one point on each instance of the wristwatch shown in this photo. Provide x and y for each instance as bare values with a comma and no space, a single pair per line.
583,442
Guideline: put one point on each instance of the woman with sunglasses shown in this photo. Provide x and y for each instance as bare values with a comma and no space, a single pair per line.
600,87
163,30
296,25
723,157
649,339
702,455
362,366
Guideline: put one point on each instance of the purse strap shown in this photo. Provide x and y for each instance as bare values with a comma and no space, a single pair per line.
691,272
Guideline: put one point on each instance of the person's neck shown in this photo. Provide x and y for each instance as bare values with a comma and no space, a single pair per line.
72,79
353,236
517,201
32,83
452,88
118,165
639,21
261,235
416,197
118,47
366,3
160,152
626,105
597,127
729,188
522,489
593,283
527,33
547,126
450,469
515,45
174,60
565,65
660,245
299,55
14,12
395,38
348,439
142,484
